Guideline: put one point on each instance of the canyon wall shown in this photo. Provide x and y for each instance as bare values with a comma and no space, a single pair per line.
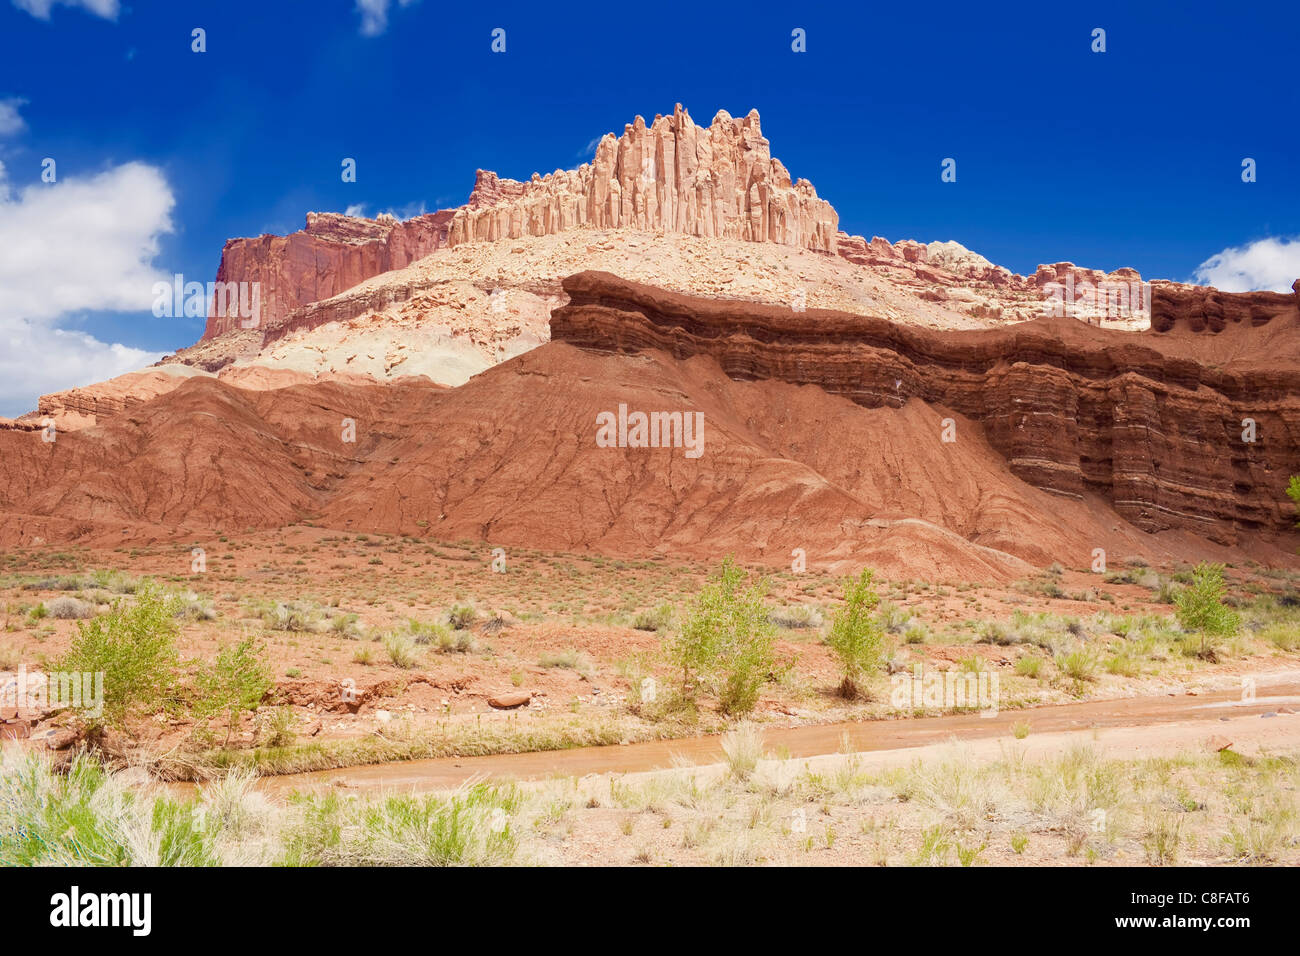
1151,424
333,253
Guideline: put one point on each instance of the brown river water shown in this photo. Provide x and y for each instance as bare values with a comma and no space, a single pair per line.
805,741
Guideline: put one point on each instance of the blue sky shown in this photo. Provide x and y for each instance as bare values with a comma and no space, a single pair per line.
1130,157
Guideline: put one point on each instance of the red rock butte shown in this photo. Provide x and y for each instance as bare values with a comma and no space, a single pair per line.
684,268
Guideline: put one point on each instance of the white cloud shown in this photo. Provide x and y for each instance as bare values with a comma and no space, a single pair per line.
589,151
75,246
409,211
11,122
108,9
1263,265
36,360
374,15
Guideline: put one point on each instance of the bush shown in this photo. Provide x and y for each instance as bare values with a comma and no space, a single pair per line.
660,619
70,609
856,637
1200,608
743,748
916,633
1080,665
290,617
235,682
134,646
401,651
893,618
190,607
1028,666
86,817
799,616
430,632
469,827
727,641
1293,492
345,625
275,729
566,660
462,616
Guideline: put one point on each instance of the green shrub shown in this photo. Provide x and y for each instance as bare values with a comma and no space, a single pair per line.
345,625
1079,665
916,633
462,616
134,646
430,632
1029,666
1200,608
401,651
85,817
856,637
471,827
566,660
235,682
727,641
660,619
276,727
290,617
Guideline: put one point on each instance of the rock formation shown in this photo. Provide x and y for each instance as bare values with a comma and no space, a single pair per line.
333,253
1201,308
822,430
1074,410
671,176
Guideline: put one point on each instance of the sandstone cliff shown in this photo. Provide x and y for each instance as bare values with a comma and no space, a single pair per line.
333,253
1201,308
671,176
1151,424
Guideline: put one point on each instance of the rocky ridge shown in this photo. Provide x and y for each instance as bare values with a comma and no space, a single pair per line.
672,175
1075,410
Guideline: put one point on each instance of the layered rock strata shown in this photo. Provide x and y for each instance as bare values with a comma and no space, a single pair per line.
1156,431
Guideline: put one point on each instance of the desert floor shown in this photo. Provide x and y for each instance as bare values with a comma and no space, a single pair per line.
395,661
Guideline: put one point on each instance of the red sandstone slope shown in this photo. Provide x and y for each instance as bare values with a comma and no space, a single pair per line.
1153,423
511,457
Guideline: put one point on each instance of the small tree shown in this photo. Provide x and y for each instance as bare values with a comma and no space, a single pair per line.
236,681
1293,492
856,637
134,647
1200,607
727,641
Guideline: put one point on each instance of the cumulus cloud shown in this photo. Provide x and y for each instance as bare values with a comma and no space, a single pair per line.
374,15
108,9
37,360
1267,265
11,121
70,247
